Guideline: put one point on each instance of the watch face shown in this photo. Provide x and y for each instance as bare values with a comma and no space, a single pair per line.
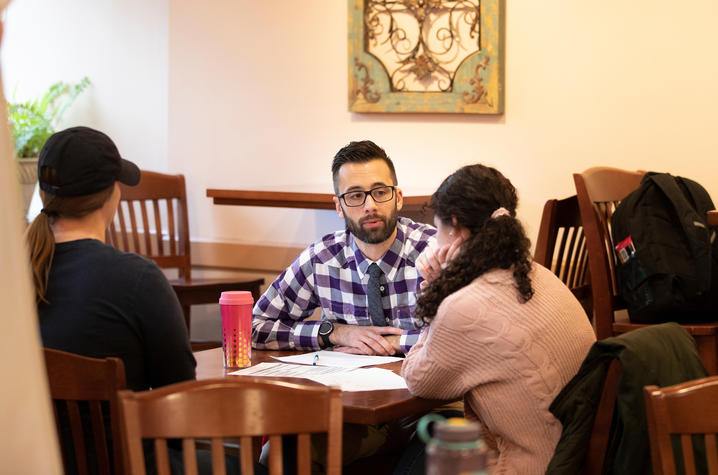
326,328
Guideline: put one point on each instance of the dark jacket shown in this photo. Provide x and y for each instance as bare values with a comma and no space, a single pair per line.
658,354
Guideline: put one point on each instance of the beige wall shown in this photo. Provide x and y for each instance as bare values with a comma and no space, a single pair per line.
258,90
253,94
247,94
120,45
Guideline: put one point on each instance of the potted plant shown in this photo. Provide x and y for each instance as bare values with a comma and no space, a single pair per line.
33,122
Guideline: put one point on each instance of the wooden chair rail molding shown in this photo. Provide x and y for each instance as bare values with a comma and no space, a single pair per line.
286,199
265,258
415,207
239,256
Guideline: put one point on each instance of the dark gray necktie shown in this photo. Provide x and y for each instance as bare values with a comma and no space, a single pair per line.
373,293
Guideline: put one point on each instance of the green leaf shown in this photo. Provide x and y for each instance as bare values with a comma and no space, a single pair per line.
34,121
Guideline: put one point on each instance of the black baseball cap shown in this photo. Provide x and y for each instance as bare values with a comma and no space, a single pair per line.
82,161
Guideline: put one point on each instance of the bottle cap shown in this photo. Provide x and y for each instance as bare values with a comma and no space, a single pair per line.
456,429
236,297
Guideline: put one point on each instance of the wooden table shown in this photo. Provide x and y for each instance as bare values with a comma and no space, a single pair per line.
415,207
364,407
713,218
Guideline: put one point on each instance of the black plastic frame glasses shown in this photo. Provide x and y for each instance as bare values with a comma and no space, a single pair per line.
380,194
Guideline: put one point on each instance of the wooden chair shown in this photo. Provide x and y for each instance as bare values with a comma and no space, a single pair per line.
232,407
161,233
683,410
75,382
561,248
599,190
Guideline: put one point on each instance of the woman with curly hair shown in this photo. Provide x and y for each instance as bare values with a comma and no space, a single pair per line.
501,330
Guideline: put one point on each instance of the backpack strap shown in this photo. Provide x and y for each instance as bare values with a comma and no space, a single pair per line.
700,197
703,203
694,228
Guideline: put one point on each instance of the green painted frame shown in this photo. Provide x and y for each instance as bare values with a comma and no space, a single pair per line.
478,82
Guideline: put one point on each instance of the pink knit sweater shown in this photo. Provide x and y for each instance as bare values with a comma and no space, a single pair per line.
509,360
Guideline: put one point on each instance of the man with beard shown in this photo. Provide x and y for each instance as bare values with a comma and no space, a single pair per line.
377,250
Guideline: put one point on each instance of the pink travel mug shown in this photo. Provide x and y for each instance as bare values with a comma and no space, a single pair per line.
236,308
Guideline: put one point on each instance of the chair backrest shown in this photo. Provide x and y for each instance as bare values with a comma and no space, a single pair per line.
232,407
683,410
152,221
561,247
599,190
80,387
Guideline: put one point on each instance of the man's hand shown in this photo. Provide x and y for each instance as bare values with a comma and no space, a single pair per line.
394,342
365,340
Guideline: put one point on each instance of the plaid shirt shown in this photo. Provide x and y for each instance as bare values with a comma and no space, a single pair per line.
332,274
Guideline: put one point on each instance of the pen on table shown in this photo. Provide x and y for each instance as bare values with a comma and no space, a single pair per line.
316,358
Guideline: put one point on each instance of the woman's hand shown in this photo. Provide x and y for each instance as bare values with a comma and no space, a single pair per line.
428,264
433,260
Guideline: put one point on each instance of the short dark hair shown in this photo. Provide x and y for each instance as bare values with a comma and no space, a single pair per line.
360,152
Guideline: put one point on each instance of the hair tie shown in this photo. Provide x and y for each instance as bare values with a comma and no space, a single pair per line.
500,212
48,212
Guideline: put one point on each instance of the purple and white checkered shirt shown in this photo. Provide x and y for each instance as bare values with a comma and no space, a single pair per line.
332,274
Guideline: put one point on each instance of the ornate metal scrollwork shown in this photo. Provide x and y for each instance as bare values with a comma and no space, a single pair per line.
478,92
421,43
365,88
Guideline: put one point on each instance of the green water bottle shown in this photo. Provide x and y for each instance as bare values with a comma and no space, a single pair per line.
455,448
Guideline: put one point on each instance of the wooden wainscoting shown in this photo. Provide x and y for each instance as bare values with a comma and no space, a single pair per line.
245,257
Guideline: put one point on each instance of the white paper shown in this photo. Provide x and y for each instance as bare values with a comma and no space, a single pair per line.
337,359
356,379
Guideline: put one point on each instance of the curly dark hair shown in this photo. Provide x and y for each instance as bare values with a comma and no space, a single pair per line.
470,196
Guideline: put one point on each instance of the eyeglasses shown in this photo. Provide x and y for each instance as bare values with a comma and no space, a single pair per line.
380,194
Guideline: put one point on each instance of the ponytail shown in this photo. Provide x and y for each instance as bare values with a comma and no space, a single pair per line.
40,238
41,243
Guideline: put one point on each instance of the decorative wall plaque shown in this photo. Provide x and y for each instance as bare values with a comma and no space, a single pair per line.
426,56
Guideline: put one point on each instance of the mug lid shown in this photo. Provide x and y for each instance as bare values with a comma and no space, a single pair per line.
236,297
457,429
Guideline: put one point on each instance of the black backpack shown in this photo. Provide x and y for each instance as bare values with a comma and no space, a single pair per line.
666,256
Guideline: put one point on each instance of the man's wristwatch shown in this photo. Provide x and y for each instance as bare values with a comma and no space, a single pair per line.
325,329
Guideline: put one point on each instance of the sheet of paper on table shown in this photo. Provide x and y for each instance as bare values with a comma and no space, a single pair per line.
356,379
337,359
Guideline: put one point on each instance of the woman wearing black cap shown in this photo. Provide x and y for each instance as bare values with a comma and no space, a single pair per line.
92,299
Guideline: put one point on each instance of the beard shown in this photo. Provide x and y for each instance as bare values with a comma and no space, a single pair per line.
373,236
